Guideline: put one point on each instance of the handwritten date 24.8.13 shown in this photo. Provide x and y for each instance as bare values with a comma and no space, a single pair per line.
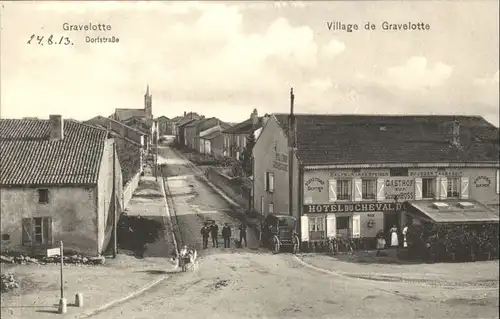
49,40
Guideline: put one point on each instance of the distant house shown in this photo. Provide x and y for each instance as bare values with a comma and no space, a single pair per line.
212,140
164,127
235,137
146,125
190,130
56,184
130,145
171,124
179,127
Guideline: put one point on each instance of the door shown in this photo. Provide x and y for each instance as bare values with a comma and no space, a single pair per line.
391,219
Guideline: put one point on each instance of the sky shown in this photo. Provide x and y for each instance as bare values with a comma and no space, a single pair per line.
226,59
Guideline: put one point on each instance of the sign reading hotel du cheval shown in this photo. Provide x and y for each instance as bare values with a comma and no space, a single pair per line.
352,208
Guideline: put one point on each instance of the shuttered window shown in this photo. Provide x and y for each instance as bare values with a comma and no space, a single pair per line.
271,208
453,186
43,196
369,188
270,182
428,188
37,231
344,189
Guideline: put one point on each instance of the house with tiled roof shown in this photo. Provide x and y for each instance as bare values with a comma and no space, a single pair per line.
179,127
356,175
235,137
211,140
164,125
130,145
60,180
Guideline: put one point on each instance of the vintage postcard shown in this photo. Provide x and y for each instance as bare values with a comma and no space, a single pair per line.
249,159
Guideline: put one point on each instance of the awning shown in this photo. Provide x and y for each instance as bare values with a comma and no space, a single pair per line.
454,211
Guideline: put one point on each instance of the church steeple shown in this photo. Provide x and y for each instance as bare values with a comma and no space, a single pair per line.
148,107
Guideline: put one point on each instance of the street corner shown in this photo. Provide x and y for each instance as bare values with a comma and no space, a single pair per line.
367,266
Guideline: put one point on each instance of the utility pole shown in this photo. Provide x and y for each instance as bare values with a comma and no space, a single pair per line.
291,145
115,246
156,157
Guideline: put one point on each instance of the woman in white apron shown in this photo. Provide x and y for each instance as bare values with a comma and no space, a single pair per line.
394,236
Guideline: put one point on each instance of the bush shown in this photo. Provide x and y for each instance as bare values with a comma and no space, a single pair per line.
8,282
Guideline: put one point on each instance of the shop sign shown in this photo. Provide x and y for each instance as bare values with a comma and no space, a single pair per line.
315,184
402,187
482,181
361,173
435,173
353,208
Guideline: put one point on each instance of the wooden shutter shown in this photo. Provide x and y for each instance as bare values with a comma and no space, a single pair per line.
418,188
358,189
266,186
464,188
332,190
331,225
271,183
443,187
27,225
380,189
437,186
304,228
356,226
47,230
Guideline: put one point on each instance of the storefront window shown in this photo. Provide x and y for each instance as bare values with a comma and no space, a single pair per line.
344,189
316,228
369,188
453,187
428,190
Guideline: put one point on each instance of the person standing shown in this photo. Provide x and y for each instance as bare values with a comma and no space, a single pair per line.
394,236
226,234
214,232
243,234
205,232
380,242
405,233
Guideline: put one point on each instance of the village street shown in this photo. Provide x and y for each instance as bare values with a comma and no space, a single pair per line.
254,283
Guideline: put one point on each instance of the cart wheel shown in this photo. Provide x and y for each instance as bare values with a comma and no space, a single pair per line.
295,244
275,245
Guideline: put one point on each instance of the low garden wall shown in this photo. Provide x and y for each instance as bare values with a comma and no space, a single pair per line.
129,189
231,186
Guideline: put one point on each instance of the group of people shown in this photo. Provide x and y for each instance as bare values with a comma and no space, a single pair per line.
394,237
212,230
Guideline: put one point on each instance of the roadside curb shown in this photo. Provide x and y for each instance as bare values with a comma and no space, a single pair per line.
169,217
380,278
121,300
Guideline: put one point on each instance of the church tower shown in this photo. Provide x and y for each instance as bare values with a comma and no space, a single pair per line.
148,107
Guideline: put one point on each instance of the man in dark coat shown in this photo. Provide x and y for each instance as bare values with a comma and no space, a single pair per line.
214,232
243,234
205,232
226,234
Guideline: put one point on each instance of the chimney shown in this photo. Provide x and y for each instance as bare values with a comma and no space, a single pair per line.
184,113
255,117
455,132
56,127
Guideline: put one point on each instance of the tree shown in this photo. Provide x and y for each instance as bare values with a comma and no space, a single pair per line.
247,155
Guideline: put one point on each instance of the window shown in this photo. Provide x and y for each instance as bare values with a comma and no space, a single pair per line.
244,142
271,208
316,228
369,187
37,231
270,182
5,237
453,186
343,226
428,190
498,181
43,196
343,189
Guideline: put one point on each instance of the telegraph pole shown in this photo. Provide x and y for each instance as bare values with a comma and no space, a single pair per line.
115,240
291,145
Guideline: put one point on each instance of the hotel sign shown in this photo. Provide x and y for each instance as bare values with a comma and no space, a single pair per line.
402,187
352,208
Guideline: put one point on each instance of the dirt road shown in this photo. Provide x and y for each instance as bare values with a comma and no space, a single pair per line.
253,283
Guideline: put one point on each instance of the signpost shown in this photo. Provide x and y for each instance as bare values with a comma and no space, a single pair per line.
54,252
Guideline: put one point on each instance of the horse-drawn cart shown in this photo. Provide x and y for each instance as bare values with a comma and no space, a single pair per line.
278,231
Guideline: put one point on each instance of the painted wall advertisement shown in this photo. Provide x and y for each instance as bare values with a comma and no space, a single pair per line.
402,187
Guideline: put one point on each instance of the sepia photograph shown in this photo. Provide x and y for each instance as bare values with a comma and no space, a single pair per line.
249,159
